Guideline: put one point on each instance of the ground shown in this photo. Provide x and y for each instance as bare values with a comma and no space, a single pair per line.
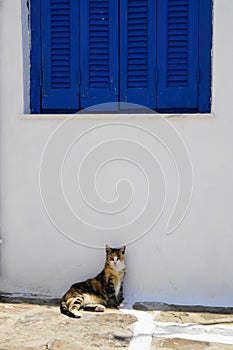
36,324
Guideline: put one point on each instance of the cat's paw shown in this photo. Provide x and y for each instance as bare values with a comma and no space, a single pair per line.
123,303
77,314
100,308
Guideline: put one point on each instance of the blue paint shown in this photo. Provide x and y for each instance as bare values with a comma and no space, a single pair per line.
60,54
205,45
138,52
99,52
156,53
35,56
177,53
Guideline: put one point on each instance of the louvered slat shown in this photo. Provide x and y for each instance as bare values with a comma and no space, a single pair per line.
138,56
177,67
177,54
60,44
60,56
137,44
99,51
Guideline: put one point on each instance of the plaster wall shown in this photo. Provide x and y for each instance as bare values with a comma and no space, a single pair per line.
193,265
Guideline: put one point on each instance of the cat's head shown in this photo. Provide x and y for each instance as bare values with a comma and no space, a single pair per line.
115,257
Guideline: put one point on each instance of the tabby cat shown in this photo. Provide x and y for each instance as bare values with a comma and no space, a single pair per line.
104,290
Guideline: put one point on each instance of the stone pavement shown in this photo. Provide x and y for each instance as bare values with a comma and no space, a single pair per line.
36,324
27,326
190,327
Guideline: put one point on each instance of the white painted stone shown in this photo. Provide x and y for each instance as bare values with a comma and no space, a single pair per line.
213,334
143,329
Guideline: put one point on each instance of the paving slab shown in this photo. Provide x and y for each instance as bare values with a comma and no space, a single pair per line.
192,317
157,306
203,315
42,327
36,324
184,344
186,327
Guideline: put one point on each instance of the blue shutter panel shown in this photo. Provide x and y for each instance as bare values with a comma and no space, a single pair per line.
177,56
60,54
205,44
99,52
138,54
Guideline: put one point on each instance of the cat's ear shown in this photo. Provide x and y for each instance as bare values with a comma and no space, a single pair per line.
108,249
123,249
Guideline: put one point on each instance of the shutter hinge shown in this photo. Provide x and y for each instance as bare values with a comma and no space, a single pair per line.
198,75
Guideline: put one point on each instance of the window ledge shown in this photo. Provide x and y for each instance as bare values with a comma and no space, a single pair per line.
111,116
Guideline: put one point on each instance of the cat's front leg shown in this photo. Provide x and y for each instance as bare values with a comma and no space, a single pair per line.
112,301
120,295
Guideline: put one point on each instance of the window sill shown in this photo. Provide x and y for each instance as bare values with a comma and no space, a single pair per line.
110,116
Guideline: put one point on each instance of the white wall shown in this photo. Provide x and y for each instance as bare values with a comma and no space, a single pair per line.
193,265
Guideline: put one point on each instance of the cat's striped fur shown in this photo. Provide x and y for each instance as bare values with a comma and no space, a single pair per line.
104,290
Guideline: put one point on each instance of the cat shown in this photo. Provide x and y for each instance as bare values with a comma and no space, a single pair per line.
104,290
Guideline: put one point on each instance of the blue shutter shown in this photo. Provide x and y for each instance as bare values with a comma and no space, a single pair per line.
35,68
177,54
60,54
138,54
99,52
205,44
